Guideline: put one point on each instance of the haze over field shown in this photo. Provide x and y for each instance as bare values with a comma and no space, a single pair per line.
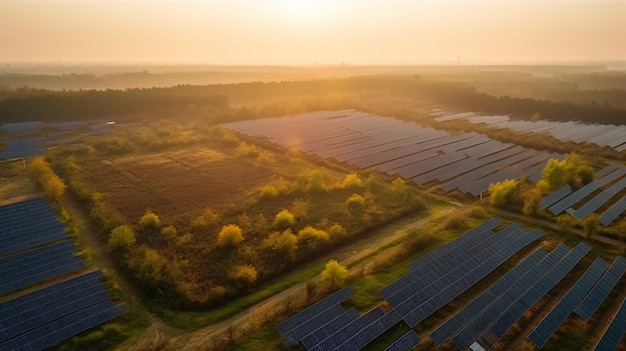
307,32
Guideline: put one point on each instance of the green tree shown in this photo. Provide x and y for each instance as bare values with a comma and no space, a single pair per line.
284,219
312,238
352,180
591,225
315,181
122,238
230,236
504,192
245,274
282,244
150,220
335,274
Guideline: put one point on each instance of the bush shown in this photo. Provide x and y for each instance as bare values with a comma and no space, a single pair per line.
207,219
282,244
335,274
245,274
312,238
230,236
284,219
169,232
150,220
504,192
355,203
122,238
337,232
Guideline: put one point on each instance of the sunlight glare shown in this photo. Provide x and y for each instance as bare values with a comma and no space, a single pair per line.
303,10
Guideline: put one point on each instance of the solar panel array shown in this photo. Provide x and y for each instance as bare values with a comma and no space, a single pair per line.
27,224
541,287
472,309
342,335
613,136
406,342
555,196
400,148
34,249
370,332
601,290
488,315
21,148
615,332
575,197
613,212
549,325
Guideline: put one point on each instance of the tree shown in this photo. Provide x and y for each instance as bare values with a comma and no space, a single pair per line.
122,238
169,232
207,219
335,274
504,192
54,187
230,236
531,201
555,174
337,232
315,181
573,170
284,219
565,222
352,180
355,203
150,220
312,238
245,274
591,225
282,244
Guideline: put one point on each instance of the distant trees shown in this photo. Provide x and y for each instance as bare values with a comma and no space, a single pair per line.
335,274
230,236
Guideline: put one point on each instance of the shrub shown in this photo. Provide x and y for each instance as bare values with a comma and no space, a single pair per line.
230,236
284,219
169,232
122,238
245,274
150,220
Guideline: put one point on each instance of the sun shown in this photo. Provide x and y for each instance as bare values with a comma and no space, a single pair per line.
303,10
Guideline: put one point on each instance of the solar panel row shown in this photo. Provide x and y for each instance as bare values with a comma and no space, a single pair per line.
584,191
326,330
315,322
555,196
599,200
601,290
613,212
370,332
481,322
406,342
549,325
331,300
345,333
447,294
541,287
615,332
467,313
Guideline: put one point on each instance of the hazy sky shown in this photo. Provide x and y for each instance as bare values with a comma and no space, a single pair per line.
310,31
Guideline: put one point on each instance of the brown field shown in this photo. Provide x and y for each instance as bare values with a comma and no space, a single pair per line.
175,183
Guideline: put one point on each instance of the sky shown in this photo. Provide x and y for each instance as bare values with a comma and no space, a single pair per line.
308,32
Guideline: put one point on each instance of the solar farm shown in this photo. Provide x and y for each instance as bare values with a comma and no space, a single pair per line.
47,292
609,135
467,162
440,276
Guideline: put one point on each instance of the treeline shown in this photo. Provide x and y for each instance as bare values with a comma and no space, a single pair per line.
50,106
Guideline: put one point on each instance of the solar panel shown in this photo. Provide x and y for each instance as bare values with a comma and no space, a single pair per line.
406,342
373,330
326,330
615,332
481,322
613,212
467,313
447,294
346,332
542,286
555,196
584,191
549,325
333,299
315,322
599,200
601,290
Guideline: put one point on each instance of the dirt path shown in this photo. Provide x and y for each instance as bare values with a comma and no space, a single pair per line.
217,335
